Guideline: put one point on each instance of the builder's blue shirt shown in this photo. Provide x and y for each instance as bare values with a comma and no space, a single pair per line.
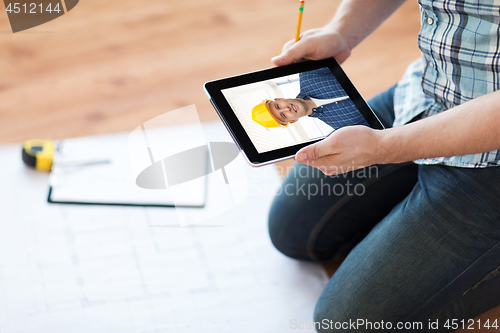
321,84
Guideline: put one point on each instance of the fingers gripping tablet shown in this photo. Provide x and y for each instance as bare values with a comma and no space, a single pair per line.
273,113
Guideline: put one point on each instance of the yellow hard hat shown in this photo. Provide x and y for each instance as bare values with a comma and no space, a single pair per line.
262,116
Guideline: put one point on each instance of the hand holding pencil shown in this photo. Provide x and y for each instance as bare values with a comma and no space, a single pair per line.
314,44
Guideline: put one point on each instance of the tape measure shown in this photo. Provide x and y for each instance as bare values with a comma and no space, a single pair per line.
39,154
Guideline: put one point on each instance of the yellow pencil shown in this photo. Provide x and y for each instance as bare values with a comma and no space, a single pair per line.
299,22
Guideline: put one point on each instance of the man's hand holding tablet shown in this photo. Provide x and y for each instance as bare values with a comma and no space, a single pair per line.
273,113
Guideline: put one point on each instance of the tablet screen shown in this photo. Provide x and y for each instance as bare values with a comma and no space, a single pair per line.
292,109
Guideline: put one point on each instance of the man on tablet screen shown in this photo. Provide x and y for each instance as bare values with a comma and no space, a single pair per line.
321,96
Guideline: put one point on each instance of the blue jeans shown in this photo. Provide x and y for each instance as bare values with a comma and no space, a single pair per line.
422,242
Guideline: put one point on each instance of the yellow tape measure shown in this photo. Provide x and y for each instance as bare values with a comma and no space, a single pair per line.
39,154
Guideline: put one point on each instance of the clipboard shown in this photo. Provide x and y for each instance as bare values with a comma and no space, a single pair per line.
74,179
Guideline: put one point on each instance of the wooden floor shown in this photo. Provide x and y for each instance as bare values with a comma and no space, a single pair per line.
107,66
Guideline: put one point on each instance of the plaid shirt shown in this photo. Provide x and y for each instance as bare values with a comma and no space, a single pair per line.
321,84
460,43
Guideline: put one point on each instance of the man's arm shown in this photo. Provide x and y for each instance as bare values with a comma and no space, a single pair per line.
473,127
470,128
352,22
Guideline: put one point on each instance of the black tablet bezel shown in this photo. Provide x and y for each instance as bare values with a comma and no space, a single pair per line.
228,117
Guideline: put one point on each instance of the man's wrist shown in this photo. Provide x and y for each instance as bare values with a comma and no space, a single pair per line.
387,146
336,30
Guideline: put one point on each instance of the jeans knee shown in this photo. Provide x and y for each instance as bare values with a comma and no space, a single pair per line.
284,231
277,225
342,311
325,321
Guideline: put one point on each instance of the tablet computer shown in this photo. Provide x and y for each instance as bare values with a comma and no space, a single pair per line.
273,113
